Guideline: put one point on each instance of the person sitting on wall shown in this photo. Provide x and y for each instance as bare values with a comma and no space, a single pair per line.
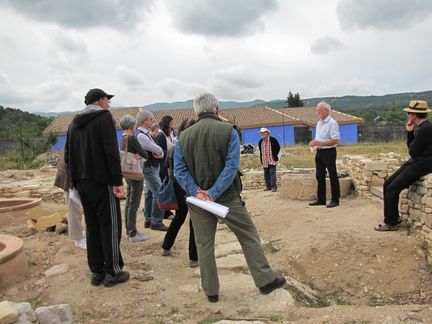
419,142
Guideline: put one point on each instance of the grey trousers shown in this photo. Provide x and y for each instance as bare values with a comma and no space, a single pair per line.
240,222
133,200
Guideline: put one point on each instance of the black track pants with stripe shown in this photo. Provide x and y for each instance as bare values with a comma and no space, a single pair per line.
103,224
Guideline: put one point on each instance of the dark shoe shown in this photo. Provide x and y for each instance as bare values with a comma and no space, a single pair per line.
332,204
383,227
267,189
147,224
110,280
97,278
161,227
275,284
317,203
213,299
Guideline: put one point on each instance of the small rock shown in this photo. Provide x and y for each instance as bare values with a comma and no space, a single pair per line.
57,270
8,173
56,314
40,282
25,311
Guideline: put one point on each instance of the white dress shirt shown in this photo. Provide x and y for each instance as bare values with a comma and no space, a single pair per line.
327,129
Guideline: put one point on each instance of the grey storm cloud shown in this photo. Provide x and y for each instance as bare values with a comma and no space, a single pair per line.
220,17
381,14
116,14
325,45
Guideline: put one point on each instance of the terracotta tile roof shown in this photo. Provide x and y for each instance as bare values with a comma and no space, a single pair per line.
61,123
308,115
257,116
249,117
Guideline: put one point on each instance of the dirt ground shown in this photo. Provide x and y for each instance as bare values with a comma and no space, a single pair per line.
361,276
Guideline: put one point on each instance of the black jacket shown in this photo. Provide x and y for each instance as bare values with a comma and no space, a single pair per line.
275,148
419,143
91,149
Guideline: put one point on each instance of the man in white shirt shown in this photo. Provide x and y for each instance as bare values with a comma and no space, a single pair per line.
326,139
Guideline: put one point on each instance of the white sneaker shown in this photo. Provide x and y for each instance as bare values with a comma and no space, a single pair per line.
82,244
139,237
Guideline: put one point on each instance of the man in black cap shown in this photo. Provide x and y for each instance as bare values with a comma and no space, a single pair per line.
92,156
419,141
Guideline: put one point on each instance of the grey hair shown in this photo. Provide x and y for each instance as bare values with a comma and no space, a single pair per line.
143,115
154,126
127,121
325,105
205,102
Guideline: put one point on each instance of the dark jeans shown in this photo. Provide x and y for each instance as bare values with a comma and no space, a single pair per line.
103,226
270,177
133,199
405,176
326,159
177,223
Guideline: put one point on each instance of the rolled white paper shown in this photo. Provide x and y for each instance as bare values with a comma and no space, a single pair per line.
210,206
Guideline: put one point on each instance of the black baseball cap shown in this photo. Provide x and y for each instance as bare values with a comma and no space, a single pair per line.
95,95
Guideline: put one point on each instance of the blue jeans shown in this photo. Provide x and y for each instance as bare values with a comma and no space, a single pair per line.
270,177
152,213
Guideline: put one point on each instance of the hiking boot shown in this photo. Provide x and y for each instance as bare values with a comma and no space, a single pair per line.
147,224
275,284
97,278
111,280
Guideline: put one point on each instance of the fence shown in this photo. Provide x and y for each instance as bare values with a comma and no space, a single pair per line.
381,133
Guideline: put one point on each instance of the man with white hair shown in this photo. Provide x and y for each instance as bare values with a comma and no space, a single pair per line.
326,139
269,150
206,165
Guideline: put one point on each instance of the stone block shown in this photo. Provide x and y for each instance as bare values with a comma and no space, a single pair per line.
375,165
7,313
45,222
304,187
55,314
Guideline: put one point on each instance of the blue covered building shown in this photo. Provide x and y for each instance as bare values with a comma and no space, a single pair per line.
289,125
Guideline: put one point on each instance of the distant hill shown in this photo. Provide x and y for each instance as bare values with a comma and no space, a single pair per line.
346,103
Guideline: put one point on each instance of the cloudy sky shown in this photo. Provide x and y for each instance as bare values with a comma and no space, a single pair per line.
147,51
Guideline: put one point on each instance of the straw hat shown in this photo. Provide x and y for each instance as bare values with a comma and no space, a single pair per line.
418,106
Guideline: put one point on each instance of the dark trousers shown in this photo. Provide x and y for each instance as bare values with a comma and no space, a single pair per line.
270,177
326,159
103,226
177,223
405,176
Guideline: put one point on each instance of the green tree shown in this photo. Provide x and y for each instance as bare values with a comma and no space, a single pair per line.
294,100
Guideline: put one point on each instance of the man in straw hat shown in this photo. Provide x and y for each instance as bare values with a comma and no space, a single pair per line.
419,141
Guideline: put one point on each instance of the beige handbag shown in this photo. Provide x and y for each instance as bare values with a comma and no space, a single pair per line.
131,166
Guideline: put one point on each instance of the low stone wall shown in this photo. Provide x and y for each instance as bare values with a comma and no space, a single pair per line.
254,179
367,172
33,187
